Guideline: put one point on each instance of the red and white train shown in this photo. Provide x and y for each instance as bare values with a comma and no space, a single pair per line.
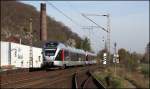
57,54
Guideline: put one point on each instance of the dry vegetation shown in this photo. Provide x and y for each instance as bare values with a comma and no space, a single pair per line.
123,78
15,24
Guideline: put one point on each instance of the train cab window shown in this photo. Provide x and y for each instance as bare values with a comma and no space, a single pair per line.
51,45
50,52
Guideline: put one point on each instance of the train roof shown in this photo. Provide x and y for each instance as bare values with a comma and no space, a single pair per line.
90,53
72,49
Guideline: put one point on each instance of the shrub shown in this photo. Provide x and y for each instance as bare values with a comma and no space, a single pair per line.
145,70
117,82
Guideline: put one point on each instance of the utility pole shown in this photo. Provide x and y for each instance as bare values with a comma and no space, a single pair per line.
106,30
115,57
108,35
31,51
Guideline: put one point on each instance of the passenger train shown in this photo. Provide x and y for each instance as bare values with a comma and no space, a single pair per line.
57,54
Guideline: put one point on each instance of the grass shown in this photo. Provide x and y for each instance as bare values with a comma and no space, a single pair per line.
117,82
100,77
136,77
114,81
125,78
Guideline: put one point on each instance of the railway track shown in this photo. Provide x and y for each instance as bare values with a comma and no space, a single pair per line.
24,79
44,79
86,80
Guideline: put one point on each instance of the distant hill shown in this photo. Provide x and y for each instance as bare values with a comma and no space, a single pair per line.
15,24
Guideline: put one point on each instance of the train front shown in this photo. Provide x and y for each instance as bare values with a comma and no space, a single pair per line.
49,51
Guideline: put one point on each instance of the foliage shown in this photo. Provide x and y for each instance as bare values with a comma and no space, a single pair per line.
134,61
129,60
101,78
79,44
15,22
85,45
115,82
123,55
145,58
146,55
145,69
135,78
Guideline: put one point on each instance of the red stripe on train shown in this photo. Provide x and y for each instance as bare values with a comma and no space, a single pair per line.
62,55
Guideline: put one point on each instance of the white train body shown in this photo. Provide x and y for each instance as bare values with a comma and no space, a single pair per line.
58,54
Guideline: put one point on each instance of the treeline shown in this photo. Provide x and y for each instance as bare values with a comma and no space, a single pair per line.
85,44
15,25
130,60
128,57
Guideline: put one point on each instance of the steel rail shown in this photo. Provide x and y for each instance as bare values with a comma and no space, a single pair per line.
90,78
32,78
99,83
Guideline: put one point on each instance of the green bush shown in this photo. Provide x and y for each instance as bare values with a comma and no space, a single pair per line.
101,78
145,69
116,82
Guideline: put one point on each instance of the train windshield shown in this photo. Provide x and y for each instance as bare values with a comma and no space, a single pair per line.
50,52
51,45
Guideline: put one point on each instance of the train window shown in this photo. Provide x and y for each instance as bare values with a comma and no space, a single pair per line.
78,57
71,55
66,53
51,45
58,57
50,52
87,58
84,57
74,56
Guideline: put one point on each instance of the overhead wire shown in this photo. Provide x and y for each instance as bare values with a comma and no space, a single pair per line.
62,13
77,11
73,7
87,18
89,28
95,23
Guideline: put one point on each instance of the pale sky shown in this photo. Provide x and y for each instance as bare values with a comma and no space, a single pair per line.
129,21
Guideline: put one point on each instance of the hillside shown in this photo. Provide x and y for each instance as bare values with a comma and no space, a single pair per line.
15,24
